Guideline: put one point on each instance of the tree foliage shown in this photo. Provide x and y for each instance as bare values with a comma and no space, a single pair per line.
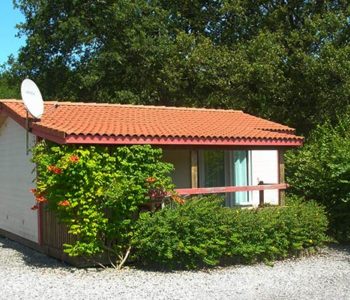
321,171
7,90
284,60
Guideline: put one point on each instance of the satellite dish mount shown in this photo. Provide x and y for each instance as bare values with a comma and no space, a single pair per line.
33,101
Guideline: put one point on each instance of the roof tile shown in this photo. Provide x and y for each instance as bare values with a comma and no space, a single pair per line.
91,119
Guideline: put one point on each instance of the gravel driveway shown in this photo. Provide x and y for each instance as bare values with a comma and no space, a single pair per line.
26,274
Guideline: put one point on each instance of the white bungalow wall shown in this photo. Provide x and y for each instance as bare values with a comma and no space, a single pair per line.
264,167
16,181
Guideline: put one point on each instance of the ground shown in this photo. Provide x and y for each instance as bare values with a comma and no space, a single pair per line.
26,274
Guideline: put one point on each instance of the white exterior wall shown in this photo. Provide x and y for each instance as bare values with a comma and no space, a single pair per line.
16,181
264,167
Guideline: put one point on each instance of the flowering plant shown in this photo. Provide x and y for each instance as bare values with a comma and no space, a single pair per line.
98,191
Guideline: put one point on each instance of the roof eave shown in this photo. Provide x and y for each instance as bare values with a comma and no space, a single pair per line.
179,141
58,138
12,114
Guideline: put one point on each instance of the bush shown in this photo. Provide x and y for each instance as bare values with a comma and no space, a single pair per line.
203,233
277,232
321,171
186,236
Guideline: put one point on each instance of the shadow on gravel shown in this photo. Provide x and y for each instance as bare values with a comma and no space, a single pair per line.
342,248
31,257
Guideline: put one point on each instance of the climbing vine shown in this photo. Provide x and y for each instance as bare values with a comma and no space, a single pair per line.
98,192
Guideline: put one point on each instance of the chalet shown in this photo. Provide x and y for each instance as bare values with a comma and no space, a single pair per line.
212,150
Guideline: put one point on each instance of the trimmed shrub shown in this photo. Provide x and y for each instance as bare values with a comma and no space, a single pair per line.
277,232
203,233
185,236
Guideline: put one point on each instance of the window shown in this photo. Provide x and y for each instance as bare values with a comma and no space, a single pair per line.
212,168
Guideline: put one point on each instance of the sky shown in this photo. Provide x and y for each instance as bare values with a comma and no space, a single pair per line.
9,17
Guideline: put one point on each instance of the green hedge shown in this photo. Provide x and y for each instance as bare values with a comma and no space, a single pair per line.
203,233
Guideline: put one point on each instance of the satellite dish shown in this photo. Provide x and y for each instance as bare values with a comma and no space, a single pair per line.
32,98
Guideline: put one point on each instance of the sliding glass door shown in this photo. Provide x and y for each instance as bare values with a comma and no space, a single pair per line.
225,168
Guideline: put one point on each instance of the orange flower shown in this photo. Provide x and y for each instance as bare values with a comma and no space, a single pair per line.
50,168
74,158
54,169
35,207
40,199
58,171
64,203
151,179
35,192
178,199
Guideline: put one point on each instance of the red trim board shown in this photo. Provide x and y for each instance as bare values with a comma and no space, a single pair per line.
128,140
230,189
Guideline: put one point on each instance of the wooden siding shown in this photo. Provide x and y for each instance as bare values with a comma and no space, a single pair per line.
54,234
181,160
281,175
16,180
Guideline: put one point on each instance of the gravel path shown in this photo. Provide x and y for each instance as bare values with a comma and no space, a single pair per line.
26,274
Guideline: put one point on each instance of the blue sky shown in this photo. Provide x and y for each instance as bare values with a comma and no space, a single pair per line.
9,17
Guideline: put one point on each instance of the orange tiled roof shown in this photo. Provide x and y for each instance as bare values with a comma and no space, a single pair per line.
68,122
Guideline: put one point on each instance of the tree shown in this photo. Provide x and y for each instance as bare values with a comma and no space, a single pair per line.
7,90
321,171
283,60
